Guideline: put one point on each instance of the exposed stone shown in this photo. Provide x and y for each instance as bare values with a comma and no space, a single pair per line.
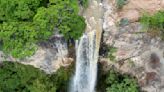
49,57
131,15
142,82
155,61
67,61
162,3
151,78
145,51
105,64
143,5
134,9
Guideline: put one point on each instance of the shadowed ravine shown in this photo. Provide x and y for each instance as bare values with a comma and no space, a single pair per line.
87,49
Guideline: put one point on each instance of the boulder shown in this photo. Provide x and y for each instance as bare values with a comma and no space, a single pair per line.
154,61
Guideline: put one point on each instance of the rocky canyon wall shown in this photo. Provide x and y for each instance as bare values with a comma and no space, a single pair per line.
138,53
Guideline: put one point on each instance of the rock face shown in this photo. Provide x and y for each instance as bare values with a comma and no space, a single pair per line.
135,8
138,53
144,5
49,57
131,15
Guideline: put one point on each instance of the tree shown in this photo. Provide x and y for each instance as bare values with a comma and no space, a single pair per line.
13,10
63,15
18,38
21,78
25,23
120,83
17,77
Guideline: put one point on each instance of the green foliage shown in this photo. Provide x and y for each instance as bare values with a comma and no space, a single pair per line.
71,24
20,78
124,22
65,6
120,3
13,10
25,23
108,51
84,3
114,81
16,77
16,29
61,79
111,51
18,38
120,83
63,16
154,22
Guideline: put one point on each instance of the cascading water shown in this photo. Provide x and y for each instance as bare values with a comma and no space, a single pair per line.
87,49
86,66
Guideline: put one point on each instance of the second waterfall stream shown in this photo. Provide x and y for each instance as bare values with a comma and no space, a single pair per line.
87,49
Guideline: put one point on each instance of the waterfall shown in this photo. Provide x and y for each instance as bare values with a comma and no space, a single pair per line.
87,49
86,66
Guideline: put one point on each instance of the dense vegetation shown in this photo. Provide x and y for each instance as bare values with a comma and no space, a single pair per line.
16,77
84,3
113,81
25,23
120,83
120,3
154,23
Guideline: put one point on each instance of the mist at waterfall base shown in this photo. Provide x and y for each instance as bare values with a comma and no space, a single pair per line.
86,64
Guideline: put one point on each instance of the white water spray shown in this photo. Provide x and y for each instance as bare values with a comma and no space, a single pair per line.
86,66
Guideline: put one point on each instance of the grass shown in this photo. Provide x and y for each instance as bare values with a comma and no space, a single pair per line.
154,24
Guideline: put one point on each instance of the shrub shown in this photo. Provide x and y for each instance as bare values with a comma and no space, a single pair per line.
154,23
124,22
61,79
84,3
120,83
16,77
113,81
112,50
107,51
120,3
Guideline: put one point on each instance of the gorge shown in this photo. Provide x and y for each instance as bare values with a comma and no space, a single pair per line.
81,46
